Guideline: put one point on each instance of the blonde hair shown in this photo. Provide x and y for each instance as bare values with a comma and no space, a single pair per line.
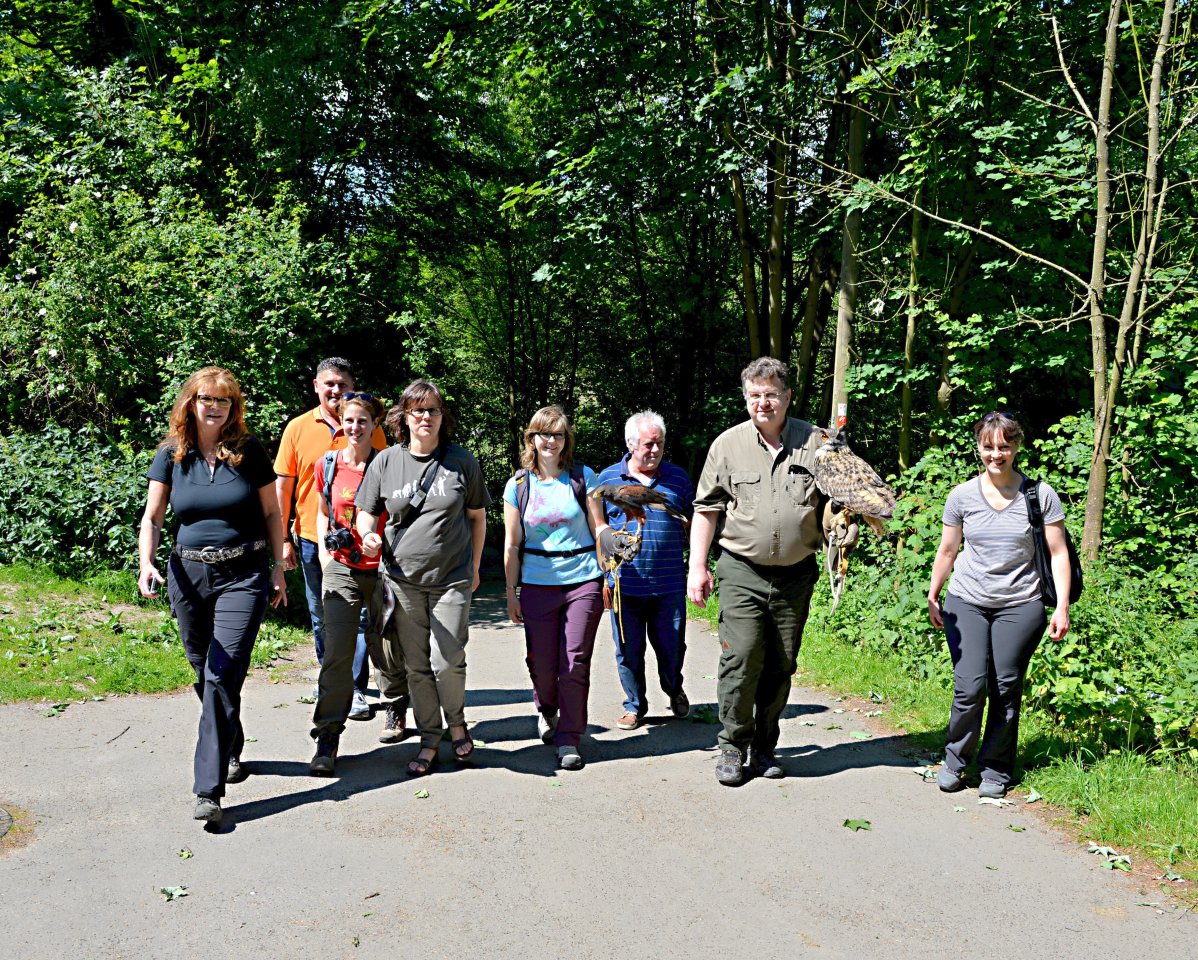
183,433
550,419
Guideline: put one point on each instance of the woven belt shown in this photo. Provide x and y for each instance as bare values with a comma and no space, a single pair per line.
220,554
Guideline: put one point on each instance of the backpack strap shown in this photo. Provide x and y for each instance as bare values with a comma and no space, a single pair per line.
523,490
1031,495
329,471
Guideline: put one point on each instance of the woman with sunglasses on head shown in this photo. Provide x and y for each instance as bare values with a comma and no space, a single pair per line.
554,584
433,494
349,576
220,484
993,616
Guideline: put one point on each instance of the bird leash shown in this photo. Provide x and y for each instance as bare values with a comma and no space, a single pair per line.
838,557
612,598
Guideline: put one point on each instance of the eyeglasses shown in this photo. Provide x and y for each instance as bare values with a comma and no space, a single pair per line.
546,435
431,412
368,397
224,403
758,399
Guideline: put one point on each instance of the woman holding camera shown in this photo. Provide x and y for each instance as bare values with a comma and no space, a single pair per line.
349,577
433,494
220,484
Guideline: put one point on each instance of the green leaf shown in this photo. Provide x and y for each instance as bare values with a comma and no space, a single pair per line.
172,893
958,809
1015,829
1032,797
856,825
186,854
860,734
421,794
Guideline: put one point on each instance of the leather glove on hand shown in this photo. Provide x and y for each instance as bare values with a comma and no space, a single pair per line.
618,546
839,534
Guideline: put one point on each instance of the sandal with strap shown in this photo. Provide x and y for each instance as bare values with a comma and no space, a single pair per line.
420,766
465,755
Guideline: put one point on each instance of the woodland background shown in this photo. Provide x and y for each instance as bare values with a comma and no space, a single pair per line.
930,210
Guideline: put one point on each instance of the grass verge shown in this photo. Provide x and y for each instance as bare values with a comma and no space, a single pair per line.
64,640
1144,807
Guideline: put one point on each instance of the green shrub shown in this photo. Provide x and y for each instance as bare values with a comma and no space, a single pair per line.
71,500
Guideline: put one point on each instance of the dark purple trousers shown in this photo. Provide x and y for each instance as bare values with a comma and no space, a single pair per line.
559,635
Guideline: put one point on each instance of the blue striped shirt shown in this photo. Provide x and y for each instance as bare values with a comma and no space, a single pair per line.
658,569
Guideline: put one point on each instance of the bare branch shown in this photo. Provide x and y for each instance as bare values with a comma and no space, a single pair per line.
1056,35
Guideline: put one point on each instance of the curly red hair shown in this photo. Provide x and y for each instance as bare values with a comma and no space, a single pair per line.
212,381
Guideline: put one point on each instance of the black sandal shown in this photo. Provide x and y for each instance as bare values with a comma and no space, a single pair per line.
420,766
463,756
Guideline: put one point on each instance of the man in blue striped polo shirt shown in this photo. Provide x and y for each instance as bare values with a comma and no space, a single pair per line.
652,586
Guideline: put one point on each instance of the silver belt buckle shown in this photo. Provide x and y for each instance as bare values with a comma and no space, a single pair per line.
211,554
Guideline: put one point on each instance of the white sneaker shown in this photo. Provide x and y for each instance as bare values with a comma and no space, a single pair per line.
359,709
569,758
547,727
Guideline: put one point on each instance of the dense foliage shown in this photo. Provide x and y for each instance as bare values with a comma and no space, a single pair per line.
615,205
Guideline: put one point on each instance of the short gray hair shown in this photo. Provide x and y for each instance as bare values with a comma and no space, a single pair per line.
632,429
765,368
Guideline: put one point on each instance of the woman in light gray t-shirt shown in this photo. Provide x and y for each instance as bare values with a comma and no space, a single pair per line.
993,617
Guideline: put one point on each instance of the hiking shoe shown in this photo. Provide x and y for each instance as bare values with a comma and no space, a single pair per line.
236,772
569,758
767,765
395,722
325,758
547,726
948,781
208,808
680,705
628,721
992,789
359,709
730,768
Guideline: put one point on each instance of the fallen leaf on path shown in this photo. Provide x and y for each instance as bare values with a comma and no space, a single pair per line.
421,794
838,710
277,705
1015,829
370,895
304,699
996,801
806,723
1172,877
926,773
1032,797
958,809
186,854
555,783
1118,863
251,739
708,676
480,743
860,734
988,867
354,941
833,726
172,893
872,713
56,709
1103,851
856,825
876,697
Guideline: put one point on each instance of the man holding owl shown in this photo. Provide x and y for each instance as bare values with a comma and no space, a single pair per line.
757,495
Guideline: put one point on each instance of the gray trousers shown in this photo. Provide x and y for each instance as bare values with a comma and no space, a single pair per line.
991,649
433,625
345,592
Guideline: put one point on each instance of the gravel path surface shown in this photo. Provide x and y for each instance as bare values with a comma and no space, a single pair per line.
640,855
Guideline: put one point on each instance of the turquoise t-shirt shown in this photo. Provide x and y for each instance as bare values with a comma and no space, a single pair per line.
554,520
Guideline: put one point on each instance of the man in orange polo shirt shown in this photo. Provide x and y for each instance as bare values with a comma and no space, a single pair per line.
305,441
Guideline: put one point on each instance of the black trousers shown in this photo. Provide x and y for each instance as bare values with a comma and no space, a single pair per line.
219,607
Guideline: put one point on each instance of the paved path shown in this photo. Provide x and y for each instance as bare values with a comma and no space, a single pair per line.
640,855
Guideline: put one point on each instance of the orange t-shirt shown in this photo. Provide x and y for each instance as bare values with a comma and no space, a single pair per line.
346,480
306,439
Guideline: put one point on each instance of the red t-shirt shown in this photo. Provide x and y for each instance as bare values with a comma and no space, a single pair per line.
346,480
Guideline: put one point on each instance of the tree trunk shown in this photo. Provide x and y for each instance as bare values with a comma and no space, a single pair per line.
1096,490
847,301
904,454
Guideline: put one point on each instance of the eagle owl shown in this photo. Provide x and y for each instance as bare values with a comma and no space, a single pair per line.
849,480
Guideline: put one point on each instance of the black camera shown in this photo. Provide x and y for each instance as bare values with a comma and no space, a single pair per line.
342,538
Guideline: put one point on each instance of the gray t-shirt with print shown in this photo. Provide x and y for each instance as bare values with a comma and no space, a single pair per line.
436,548
996,568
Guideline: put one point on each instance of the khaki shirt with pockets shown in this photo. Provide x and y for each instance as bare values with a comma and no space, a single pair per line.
769,499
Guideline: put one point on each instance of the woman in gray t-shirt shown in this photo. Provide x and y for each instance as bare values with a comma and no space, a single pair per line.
993,617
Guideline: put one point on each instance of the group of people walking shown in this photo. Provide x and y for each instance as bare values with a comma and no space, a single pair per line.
390,543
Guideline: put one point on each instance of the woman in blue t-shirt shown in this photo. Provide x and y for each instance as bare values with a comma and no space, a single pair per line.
554,585
220,484
993,616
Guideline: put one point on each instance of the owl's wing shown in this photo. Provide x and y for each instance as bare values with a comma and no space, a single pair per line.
847,478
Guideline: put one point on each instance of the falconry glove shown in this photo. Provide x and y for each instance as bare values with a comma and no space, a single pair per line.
617,547
839,534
